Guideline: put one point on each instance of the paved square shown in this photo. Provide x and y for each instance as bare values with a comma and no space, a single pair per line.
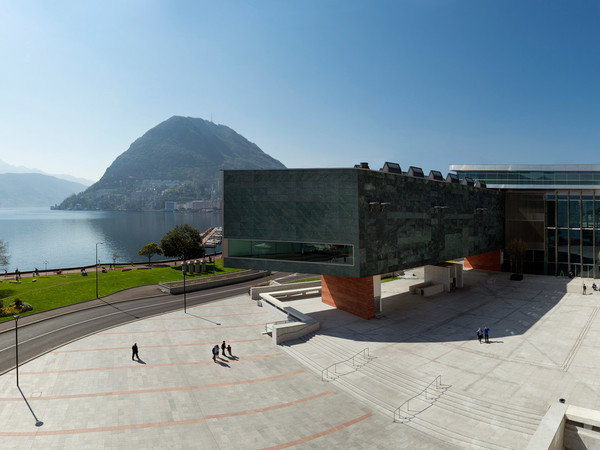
544,340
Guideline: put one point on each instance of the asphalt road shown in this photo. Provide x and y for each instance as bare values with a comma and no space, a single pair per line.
43,336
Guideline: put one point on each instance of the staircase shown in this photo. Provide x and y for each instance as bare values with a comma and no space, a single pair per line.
434,408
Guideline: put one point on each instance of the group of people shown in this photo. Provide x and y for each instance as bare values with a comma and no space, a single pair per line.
215,351
224,346
485,333
18,275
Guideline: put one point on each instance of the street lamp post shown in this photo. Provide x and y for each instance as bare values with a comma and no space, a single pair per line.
184,269
46,266
97,243
16,316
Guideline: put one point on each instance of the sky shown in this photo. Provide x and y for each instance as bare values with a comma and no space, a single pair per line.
314,83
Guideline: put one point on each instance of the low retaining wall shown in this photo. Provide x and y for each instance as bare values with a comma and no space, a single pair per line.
567,426
255,291
282,332
207,282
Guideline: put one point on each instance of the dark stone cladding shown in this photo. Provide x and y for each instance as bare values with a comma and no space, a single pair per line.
393,221
425,221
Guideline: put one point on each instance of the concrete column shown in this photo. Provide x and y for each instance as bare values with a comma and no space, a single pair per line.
377,294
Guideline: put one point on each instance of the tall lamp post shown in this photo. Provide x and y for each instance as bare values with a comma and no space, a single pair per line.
16,316
184,270
97,244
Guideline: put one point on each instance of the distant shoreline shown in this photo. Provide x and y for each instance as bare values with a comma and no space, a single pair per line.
46,272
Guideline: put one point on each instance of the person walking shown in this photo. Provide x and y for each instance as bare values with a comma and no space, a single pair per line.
479,334
215,352
486,334
223,347
584,288
229,350
134,352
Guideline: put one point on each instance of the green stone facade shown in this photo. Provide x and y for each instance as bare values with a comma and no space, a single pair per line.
391,222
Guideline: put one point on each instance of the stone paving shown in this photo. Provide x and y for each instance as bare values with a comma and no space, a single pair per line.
545,338
91,394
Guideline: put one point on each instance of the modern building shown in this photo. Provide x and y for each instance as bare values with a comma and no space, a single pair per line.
351,225
554,209
358,223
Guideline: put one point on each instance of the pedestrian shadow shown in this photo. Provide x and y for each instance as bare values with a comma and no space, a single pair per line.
235,358
223,363
38,422
495,342
140,361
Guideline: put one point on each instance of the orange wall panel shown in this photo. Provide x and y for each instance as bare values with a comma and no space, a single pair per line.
353,295
485,261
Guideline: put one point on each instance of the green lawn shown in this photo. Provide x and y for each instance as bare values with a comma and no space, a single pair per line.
60,290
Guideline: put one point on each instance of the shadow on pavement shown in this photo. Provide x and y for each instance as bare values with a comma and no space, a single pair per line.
38,422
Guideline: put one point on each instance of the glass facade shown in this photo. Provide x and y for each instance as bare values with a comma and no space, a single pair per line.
292,251
571,233
571,213
543,178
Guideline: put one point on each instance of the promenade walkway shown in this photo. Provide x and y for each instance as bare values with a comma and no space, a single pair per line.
545,336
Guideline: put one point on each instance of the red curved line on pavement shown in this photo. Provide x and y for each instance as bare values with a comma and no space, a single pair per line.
147,391
322,433
161,424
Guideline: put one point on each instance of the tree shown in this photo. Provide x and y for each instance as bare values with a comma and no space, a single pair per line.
150,250
183,242
516,251
4,256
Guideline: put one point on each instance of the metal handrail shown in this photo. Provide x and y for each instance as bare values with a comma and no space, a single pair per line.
438,384
334,365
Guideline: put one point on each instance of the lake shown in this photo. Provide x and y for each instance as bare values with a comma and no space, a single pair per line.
68,238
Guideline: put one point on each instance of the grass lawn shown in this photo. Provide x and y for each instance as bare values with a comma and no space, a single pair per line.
61,290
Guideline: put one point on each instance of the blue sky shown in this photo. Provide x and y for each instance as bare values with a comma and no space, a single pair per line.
314,83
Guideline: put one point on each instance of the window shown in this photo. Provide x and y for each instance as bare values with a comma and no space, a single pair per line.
293,251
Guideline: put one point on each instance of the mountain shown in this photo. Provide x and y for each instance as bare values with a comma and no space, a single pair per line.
34,189
178,160
8,168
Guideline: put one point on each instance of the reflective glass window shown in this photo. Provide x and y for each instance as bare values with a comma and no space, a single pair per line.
563,218
563,245
550,245
597,211
575,243
587,211
574,219
550,212
292,251
587,238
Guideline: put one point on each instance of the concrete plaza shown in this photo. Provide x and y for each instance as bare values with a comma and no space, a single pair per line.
544,343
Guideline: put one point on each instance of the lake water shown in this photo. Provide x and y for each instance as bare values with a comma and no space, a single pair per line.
68,238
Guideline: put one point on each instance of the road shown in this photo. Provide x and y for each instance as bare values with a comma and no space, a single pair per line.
43,336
